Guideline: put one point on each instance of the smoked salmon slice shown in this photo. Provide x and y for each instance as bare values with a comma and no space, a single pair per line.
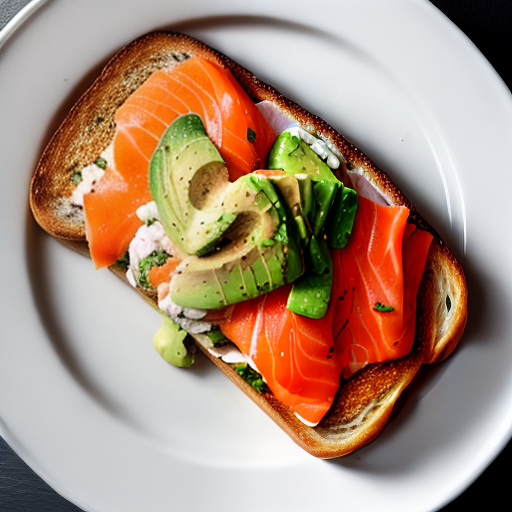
196,85
378,275
110,217
370,319
295,354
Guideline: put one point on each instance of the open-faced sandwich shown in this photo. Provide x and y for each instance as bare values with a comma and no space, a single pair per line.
261,234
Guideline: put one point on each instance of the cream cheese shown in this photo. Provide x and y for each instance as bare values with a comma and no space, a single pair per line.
319,146
91,175
228,352
189,319
147,239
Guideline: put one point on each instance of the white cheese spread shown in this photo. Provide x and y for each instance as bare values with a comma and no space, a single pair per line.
147,240
188,319
91,175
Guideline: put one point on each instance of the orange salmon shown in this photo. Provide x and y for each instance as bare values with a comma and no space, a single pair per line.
295,354
302,359
197,85
378,275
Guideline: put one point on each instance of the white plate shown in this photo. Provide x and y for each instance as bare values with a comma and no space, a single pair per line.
85,400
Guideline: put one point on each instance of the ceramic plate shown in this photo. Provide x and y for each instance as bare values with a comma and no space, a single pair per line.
86,401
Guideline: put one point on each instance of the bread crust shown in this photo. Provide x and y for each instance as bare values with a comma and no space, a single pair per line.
364,402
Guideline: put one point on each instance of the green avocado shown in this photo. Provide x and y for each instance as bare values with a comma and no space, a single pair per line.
294,156
306,193
240,237
324,193
188,180
259,252
311,293
341,220
291,154
296,191
169,342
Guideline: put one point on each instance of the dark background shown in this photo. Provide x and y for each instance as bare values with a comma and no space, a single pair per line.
488,23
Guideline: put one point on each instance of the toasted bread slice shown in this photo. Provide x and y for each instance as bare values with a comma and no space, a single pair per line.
365,401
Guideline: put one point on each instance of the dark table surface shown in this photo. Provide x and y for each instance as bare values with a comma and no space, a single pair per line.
488,23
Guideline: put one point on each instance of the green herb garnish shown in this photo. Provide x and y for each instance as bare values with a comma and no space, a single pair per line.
251,376
101,163
77,177
156,258
216,336
123,261
383,308
251,135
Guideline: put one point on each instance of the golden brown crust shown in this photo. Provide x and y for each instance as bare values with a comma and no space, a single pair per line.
364,403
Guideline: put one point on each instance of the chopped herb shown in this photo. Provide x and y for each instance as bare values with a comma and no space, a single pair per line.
101,163
124,261
251,135
383,308
156,258
150,221
251,376
216,336
77,177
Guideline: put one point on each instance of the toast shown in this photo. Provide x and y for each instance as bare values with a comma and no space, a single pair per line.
365,401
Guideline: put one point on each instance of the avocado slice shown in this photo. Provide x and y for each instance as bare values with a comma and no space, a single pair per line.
311,293
169,342
306,194
294,156
260,251
188,180
324,193
295,194
341,220
291,154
